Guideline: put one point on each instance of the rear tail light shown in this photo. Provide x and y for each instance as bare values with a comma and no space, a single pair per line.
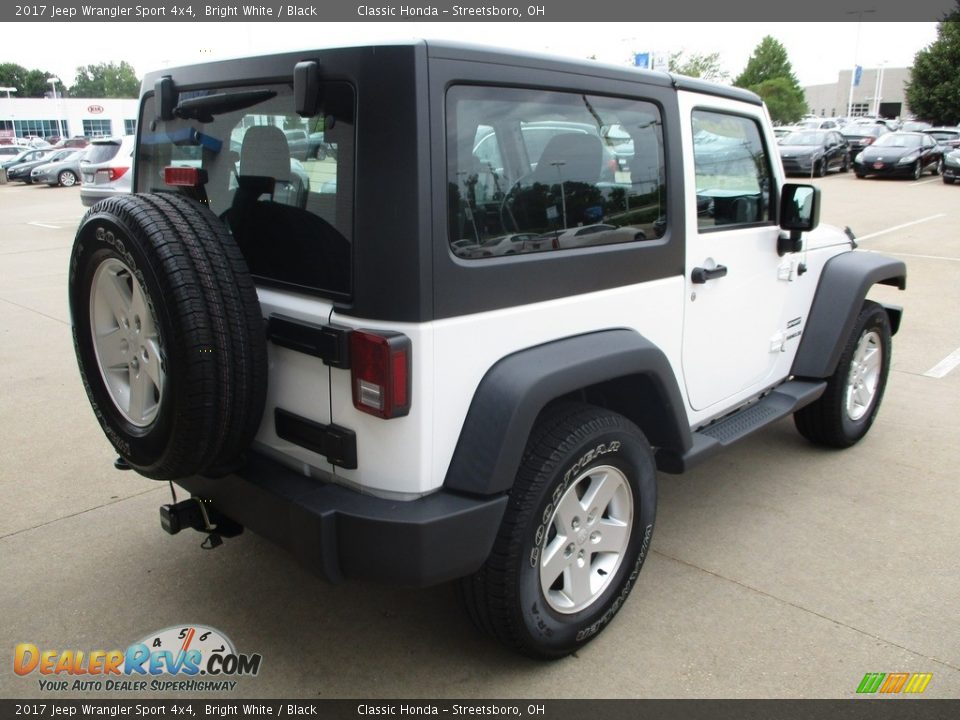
110,174
380,373
184,176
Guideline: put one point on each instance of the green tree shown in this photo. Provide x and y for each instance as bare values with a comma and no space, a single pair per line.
933,91
770,74
106,80
699,66
29,83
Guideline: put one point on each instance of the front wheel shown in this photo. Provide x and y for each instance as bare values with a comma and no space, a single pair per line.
824,168
574,536
847,408
846,164
917,170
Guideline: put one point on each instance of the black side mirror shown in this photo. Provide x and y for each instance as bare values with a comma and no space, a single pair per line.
306,88
799,213
165,97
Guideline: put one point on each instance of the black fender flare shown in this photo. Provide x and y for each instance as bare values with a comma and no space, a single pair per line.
843,286
514,390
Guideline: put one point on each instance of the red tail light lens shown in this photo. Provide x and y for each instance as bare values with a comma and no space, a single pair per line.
380,371
184,176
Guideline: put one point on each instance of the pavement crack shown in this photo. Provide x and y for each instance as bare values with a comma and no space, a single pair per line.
30,309
81,512
807,610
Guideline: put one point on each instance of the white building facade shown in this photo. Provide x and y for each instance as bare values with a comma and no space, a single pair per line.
67,117
880,93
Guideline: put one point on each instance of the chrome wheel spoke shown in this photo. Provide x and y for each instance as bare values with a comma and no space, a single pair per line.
554,561
116,294
568,513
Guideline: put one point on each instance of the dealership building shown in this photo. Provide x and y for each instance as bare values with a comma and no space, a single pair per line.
880,92
67,117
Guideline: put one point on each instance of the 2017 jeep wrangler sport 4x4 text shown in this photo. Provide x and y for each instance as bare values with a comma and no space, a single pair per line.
422,312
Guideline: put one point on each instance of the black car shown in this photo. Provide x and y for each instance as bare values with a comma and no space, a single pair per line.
24,155
21,171
814,152
859,137
901,153
951,167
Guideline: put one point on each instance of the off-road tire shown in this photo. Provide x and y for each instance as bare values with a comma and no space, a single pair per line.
505,598
828,421
211,341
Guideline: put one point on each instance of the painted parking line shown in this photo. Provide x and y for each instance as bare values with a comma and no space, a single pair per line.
900,227
924,182
44,225
940,370
914,255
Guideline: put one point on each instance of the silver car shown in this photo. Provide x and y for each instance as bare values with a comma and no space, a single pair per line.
106,169
64,172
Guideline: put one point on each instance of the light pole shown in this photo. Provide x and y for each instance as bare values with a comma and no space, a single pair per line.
856,53
53,84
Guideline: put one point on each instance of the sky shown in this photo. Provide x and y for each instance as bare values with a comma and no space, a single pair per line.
818,51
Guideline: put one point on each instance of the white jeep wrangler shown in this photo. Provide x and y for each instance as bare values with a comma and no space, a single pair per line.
461,344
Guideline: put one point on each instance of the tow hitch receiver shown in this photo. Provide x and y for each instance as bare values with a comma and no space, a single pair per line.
200,515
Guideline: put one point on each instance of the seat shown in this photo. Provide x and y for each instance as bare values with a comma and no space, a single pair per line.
281,240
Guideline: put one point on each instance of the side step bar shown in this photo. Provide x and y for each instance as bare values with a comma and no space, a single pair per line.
709,440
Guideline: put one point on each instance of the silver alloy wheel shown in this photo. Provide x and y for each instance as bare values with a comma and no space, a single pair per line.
864,376
67,179
126,342
586,539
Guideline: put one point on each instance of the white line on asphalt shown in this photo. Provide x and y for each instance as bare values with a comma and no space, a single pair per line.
924,182
913,255
900,227
944,366
44,225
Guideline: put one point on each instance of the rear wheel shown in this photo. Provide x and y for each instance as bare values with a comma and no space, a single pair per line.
574,536
846,164
938,168
847,408
66,178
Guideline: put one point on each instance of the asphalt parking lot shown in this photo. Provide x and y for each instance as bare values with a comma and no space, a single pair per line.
779,570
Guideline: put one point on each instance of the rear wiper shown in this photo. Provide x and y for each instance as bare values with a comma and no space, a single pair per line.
203,108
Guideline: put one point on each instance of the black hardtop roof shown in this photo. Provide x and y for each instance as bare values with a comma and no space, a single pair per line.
443,49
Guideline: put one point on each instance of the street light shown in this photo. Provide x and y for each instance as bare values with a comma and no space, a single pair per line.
53,84
856,53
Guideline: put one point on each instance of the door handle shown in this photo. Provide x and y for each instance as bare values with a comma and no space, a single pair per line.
701,275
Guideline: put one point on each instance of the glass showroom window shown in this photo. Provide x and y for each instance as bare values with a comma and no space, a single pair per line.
97,128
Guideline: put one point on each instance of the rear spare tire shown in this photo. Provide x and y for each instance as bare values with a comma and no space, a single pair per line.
168,334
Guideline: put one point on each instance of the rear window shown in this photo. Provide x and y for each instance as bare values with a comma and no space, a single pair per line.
283,184
102,152
533,171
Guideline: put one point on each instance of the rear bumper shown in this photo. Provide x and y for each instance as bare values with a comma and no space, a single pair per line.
339,533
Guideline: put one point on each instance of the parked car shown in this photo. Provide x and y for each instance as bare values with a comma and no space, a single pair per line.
590,235
947,136
105,170
297,143
327,374
951,167
814,152
860,136
21,171
23,155
9,152
901,154
63,171
915,126
319,148
77,141
818,124
781,131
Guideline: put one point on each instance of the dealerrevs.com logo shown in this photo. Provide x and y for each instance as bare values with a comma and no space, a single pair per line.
178,658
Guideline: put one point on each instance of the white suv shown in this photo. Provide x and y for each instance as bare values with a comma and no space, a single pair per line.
329,367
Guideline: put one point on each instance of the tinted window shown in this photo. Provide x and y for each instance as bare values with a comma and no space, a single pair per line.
290,212
101,152
733,170
533,171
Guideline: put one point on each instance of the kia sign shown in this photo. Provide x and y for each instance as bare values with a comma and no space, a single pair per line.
94,109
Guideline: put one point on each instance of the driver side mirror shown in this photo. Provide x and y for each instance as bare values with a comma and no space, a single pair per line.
799,213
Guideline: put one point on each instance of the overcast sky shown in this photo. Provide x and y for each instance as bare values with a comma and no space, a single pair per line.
817,50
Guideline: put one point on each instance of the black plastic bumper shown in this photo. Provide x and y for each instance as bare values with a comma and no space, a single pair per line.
339,533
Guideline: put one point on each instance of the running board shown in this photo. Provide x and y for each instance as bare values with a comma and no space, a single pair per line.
709,440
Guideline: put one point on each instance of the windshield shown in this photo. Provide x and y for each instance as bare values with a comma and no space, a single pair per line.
803,139
286,196
898,140
863,131
944,134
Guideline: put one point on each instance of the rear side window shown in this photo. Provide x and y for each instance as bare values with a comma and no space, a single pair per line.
733,175
533,171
